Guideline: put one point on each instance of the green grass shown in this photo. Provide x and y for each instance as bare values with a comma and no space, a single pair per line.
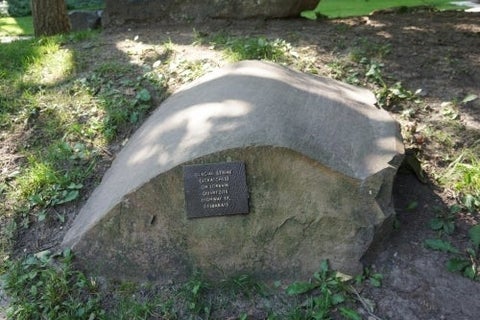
251,48
349,8
65,117
21,26
69,116
38,289
463,176
20,61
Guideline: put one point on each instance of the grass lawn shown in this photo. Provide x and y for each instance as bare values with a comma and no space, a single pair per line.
349,8
21,26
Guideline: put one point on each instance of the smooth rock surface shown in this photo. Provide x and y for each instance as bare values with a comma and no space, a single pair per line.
121,11
320,161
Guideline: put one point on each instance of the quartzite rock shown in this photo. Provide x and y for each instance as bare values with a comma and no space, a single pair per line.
320,161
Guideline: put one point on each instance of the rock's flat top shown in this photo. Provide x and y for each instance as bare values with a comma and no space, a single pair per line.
246,104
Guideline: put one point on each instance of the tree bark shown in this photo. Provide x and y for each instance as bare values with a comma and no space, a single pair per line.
50,17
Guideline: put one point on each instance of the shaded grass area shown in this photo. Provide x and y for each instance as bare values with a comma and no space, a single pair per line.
47,286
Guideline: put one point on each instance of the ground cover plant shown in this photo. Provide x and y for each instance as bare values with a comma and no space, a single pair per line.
68,104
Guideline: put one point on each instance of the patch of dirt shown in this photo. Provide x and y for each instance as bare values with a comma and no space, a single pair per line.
438,53
417,284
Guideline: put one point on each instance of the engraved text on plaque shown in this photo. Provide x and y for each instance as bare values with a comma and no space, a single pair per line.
215,189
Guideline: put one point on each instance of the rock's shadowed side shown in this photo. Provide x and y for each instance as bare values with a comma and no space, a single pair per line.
120,11
320,161
85,20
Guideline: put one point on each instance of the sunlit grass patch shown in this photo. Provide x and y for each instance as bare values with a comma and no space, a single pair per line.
42,107
38,61
26,67
350,8
20,26
47,71
15,56
36,177
463,176
15,60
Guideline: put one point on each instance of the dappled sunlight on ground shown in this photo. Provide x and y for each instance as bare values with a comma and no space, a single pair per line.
139,51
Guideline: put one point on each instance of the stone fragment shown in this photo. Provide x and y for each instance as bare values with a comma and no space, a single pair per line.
319,160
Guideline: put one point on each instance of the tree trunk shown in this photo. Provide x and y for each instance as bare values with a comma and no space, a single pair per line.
50,17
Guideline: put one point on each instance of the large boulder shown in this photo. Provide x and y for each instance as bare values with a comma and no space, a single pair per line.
120,11
81,20
319,160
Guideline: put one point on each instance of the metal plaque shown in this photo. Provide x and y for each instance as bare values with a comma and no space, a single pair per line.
215,189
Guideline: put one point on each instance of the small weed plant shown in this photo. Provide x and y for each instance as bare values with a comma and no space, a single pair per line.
328,291
444,221
468,262
194,293
363,66
387,96
243,284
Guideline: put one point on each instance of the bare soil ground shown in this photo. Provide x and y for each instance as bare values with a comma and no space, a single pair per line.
436,52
